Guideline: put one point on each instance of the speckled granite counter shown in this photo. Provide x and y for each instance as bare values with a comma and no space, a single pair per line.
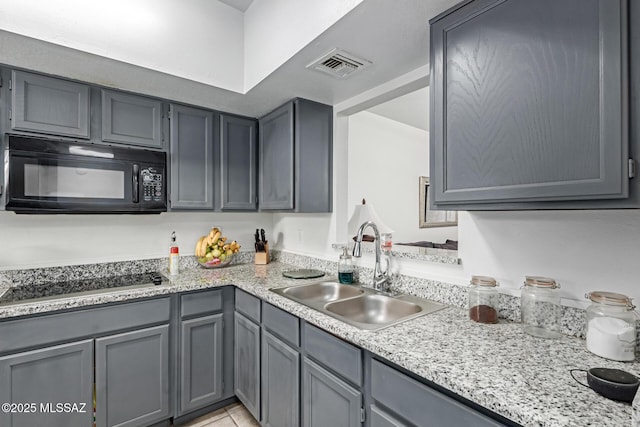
523,378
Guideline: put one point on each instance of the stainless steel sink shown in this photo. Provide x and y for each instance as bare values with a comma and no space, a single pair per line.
376,309
322,292
359,306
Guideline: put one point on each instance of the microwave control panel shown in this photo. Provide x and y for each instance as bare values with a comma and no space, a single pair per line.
152,181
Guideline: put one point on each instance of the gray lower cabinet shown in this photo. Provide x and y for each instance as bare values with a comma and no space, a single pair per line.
201,365
380,418
529,105
295,146
238,163
131,119
49,105
418,403
247,363
327,400
192,156
132,378
41,379
280,383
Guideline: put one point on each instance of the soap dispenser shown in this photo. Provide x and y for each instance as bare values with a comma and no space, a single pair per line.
345,267
174,255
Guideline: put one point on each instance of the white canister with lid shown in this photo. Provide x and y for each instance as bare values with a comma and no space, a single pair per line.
611,326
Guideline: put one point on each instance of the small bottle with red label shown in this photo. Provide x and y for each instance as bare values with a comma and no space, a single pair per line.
174,256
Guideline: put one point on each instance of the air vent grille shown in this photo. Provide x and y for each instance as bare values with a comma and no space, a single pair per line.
339,63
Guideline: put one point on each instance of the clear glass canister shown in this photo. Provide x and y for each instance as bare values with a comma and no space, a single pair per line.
611,326
540,307
483,299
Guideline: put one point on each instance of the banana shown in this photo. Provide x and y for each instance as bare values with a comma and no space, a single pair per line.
226,246
203,247
216,237
198,253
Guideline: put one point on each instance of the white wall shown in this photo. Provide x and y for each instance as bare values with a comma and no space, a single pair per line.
583,250
29,241
386,158
276,30
199,40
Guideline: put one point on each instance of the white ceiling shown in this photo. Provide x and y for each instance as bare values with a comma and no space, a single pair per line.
241,5
411,109
394,36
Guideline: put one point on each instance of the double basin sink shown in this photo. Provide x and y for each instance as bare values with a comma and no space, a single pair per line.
359,306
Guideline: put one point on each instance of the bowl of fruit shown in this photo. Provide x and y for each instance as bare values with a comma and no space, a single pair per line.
213,251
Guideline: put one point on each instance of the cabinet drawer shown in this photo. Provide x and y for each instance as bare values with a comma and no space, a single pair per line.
283,324
201,303
340,357
379,418
248,305
418,402
43,330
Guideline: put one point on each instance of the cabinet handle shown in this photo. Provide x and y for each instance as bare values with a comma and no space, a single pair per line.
135,190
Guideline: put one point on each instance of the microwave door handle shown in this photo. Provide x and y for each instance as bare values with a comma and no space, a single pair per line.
136,187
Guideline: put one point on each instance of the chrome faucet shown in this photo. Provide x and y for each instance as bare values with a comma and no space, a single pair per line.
380,278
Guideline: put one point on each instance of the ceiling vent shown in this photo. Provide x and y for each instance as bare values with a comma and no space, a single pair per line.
339,64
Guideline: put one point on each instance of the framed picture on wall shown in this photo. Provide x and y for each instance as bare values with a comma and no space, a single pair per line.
430,218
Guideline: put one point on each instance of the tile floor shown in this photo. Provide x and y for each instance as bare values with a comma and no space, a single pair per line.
235,415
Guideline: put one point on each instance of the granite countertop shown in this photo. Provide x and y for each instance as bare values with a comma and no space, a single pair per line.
523,378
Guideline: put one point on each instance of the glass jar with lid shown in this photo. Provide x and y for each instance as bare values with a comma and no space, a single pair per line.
611,326
540,307
483,299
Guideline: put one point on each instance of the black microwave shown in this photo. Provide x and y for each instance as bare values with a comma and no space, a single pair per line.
51,176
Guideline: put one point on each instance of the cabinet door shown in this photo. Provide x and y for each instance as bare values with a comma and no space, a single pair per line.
192,151
313,156
247,363
201,362
46,377
276,159
132,378
528,102
280,383
49,105
238,149
327,400
131,119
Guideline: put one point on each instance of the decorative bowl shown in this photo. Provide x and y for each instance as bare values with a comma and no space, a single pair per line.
215,262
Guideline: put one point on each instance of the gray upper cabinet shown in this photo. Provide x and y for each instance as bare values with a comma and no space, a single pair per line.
192,155
276,159
529,104
295,171
48,105
132,378
131,119
238,163
47,376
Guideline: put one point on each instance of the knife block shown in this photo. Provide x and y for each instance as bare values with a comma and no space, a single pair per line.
263,257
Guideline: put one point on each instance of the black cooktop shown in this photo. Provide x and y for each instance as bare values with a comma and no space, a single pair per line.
77,286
